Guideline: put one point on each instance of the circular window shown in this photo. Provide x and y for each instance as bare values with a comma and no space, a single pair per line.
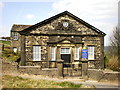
65,24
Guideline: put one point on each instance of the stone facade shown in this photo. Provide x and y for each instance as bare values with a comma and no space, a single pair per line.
61,31
15,43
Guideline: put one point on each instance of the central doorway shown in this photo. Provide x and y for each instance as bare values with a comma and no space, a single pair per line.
66,56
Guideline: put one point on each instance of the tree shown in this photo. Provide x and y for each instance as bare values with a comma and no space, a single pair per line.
115,42
114,50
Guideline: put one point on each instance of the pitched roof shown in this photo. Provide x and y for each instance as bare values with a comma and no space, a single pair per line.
17,27
61,14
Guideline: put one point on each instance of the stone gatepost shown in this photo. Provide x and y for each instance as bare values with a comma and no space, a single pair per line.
84,68
60,67
84,62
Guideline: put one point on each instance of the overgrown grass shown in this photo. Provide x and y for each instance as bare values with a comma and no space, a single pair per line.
8,53
69,85
6,43
19,82
111,62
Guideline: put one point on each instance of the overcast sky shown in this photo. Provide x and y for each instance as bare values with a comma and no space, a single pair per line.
102,14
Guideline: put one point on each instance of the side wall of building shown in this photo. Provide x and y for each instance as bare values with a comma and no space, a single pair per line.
15,43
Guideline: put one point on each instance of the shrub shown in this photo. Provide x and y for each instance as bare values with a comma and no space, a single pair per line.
10,55
113,63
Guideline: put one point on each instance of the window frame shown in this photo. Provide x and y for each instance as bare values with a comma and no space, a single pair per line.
91,52
77,53
15,36
53,53
65,51
36,51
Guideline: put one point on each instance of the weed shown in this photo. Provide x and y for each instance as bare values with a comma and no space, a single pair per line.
69,84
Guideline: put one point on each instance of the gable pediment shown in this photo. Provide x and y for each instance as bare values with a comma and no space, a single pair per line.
66,41
63,23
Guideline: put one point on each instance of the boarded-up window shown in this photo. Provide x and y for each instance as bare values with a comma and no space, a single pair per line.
90,52
53,53
15,36
36,53
76,53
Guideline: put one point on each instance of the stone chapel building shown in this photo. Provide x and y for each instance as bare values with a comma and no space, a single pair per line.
62,36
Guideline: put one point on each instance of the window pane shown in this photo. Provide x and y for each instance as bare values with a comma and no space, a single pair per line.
53,53
77,54
15,36
36,53
90,52
65,50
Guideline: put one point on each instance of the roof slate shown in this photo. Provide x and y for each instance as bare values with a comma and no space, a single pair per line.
17,27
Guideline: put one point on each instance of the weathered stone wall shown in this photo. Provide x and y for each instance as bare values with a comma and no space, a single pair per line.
56,26
9,67
98,52
40,36
15,43
36,70
36,40
95,74
12,68
101,75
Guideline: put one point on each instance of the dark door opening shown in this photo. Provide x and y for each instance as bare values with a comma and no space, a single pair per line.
65,55
66,58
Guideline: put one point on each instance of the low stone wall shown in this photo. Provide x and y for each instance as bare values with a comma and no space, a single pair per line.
12,68
36,70
9,67
101,75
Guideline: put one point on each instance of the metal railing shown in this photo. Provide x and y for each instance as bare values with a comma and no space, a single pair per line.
72,69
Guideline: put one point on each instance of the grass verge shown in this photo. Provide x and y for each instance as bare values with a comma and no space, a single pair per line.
19,82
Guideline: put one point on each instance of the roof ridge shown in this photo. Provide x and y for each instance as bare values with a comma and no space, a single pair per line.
58,15
20,24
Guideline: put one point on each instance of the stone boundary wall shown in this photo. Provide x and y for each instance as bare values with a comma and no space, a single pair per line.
12,68
105,76
94,74
9,67
36,70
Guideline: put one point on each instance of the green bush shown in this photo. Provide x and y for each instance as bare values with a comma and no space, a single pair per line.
106,60
111,60
6,42
10,55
